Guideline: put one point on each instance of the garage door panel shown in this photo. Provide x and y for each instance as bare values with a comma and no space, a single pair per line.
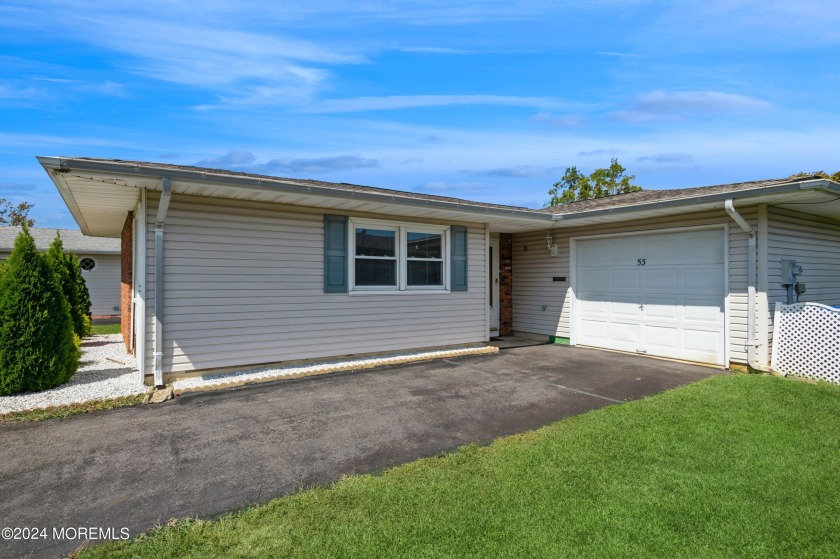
592,305
703,280
595,279
703,248
595,330
623,251
703,341
661,337
626,333
661,279
624,279
661,252
703,310
671,306
662,308
594,253
623,310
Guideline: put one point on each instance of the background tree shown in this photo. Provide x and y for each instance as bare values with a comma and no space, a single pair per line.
81,300
37,347
11,214
822,174
603,182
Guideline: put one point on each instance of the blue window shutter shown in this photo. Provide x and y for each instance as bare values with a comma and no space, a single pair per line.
458,280
335,254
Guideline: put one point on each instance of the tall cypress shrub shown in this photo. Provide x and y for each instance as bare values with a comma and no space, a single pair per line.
37,350
82,297
56,259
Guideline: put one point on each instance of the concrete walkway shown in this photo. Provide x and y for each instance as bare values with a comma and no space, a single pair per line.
204,454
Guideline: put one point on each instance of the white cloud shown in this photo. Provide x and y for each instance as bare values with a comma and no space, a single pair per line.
23,95
442,187
230,159
737,24
318,164
240,160
598,152
157,41
558,121
666,158
397,102
520,171
437,50
16,140
657,105
8,189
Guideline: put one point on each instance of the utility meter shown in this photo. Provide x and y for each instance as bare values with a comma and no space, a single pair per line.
790,269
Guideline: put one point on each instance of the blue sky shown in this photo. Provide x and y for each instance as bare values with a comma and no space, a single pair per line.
485,100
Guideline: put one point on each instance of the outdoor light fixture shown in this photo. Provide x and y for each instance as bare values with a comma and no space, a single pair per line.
549,243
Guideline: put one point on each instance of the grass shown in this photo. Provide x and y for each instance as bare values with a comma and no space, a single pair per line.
734,466
56,412
100,329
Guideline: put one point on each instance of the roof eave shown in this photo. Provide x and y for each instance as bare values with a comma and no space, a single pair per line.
55,163
756,193
274,185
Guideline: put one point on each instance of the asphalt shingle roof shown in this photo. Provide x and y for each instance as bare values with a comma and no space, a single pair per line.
619,200
73,240
306,182
649,196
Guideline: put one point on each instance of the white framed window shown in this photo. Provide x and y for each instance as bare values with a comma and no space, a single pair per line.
87,264
394,256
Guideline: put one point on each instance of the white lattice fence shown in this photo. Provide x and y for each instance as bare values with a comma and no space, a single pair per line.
806,341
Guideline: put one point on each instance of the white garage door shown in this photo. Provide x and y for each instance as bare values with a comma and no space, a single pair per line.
657,294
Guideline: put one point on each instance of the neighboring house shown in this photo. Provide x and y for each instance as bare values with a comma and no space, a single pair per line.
230,269
99,259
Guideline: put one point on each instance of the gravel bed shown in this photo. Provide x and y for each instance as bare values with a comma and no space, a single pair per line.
106,371
268,373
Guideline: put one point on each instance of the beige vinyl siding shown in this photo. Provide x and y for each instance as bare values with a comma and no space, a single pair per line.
541,305
814,243
243,285
103,283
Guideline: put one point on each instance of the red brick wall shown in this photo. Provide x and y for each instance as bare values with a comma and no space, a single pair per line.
126,252
505,284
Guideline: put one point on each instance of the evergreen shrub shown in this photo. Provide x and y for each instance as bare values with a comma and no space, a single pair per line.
37,346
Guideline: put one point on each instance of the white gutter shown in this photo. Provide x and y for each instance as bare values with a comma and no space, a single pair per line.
729,206
160,219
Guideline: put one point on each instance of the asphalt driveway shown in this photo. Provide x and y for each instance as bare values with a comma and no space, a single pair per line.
204,454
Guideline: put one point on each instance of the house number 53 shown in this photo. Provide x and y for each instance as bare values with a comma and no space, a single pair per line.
641,262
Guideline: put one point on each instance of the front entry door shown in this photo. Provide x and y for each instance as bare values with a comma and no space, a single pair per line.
493,285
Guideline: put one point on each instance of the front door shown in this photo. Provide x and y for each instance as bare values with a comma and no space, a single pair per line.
493,286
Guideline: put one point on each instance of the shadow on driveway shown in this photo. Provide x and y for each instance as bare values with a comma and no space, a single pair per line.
203,454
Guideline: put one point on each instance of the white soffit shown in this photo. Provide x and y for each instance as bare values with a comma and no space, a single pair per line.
100,201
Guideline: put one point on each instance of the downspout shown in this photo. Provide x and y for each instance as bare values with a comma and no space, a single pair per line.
140,263
160,220
751,281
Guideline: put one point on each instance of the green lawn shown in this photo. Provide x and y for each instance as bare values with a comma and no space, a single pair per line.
734,466
98,329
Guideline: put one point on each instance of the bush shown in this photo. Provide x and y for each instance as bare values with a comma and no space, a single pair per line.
82,295
37,349
78,300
